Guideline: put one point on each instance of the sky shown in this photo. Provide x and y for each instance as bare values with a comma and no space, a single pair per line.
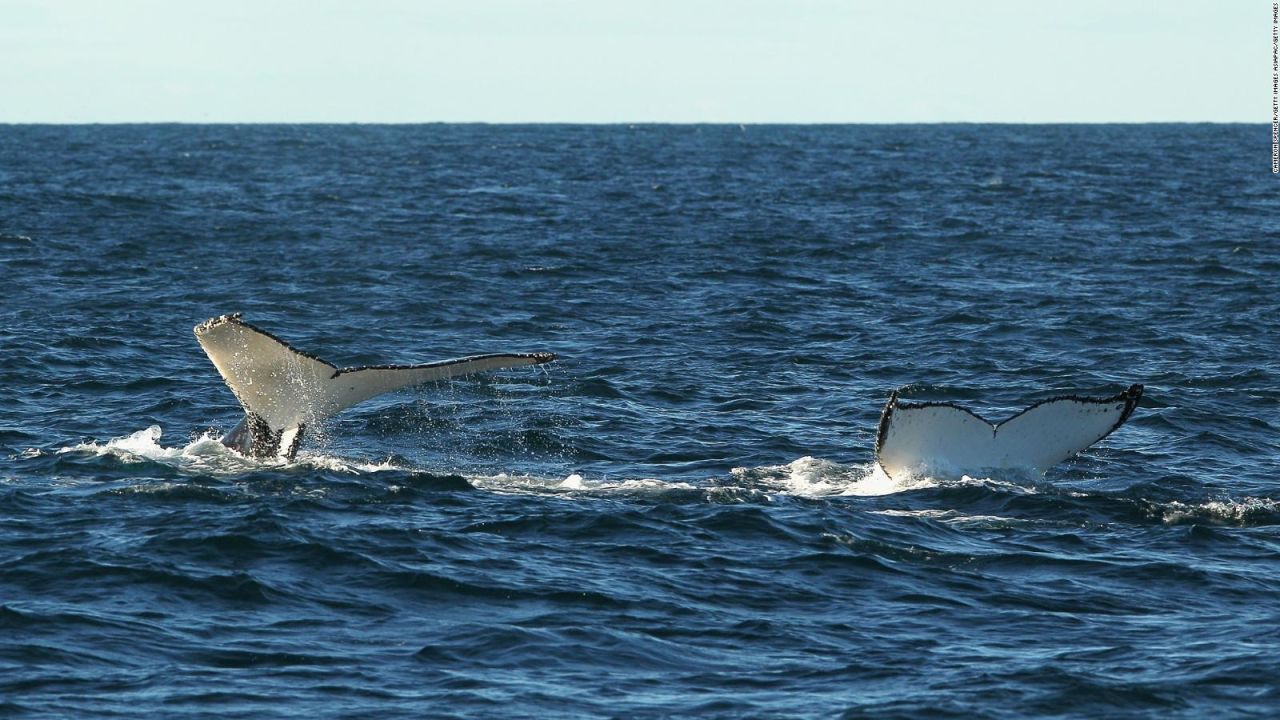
743,61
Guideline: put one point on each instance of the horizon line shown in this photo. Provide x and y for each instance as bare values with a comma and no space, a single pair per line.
741,123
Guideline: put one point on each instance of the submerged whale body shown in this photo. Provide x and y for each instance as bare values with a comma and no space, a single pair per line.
284,390
942,438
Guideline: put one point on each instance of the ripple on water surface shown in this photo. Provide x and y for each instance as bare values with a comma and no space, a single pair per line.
682,516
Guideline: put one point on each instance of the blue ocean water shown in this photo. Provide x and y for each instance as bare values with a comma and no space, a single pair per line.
682,516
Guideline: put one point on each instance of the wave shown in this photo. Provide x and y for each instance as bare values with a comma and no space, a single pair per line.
804,477
206,456
967,500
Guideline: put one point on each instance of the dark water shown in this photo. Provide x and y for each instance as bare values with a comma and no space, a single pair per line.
681,517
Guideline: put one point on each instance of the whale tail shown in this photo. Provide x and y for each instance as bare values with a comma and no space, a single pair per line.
944,438
283,390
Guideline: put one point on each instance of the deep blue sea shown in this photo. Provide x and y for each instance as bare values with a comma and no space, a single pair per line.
682,517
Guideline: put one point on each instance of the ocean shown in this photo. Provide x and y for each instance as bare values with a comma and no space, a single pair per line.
682,516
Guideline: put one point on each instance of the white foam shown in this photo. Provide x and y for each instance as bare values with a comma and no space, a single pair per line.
206,455
877,482
574,485
1226,511
321,461
815,477
145,445
951,517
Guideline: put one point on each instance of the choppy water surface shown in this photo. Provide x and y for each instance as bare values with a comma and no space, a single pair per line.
682,517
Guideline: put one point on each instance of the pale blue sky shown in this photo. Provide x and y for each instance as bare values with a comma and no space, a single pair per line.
631,61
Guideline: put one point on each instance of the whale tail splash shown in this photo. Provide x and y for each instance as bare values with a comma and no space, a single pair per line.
284,390
944,438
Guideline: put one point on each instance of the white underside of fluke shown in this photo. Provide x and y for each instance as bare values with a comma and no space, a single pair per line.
284,390
942,439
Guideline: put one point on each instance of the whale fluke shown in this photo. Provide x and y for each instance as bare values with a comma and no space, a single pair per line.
944,438
283,390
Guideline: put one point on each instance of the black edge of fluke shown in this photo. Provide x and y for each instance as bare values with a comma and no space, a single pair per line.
885,414
1130,397
236,318
539,358
297,442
